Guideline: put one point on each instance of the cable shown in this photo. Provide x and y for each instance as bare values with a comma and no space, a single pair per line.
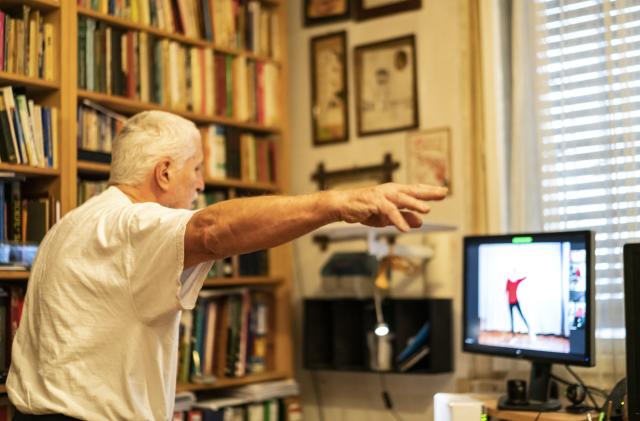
316,390
600,392
538,416
581,383
386,399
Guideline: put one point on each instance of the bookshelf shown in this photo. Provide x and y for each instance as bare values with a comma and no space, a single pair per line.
132,106
61,182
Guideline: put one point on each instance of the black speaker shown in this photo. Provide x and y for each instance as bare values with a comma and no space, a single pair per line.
632,323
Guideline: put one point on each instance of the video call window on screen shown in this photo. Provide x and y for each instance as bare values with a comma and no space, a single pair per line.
528,296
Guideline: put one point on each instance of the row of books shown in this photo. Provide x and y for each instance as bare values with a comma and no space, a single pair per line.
28,131
232,408
233,153
11,303
26,43
21,218
241,24
89,188
139,65
97,126
226,335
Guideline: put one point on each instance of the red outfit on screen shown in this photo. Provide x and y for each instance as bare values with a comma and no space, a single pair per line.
512,288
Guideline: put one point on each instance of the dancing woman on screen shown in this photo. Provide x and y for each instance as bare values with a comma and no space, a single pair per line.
512,292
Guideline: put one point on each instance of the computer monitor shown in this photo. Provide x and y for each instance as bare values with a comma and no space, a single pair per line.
632,324
531,296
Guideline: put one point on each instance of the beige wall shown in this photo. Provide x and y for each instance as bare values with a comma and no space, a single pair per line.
441,29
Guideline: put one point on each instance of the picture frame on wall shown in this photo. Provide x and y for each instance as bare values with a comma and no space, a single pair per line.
329,89
429,157
386,86
326,11
369,9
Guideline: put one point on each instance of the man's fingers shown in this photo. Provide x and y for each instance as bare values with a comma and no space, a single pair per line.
414,221
393,214
425,192
404,201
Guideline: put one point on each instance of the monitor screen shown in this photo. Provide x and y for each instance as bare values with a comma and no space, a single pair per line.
530,296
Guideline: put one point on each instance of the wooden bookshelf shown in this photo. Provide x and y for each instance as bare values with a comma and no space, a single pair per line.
14,275
31,83
98,168
241,184
61,183
243,281
39,4
128,24
231,382
29,171
131,106
88,167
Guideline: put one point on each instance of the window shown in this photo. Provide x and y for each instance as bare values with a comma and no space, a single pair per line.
588,125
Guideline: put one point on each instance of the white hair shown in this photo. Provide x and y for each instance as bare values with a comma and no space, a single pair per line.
145,139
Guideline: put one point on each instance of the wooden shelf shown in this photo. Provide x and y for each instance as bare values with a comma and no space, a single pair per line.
29,171
242,281
126,23
14,275
240,184
131,106
42,4
343,231
231,382
509,415
88,167
31,83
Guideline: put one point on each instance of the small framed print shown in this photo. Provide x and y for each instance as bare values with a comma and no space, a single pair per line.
429,157
329,93
368,9
326,11
386,91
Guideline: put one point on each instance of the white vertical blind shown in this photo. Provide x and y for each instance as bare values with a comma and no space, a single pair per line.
588,97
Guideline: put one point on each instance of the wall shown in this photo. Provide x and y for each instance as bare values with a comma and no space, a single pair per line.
441,29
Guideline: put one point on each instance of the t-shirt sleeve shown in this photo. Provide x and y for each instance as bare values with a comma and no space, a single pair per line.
159,284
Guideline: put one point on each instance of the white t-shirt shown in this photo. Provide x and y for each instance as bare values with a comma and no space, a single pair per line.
98,338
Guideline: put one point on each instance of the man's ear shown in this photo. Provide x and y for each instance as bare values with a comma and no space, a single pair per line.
161,174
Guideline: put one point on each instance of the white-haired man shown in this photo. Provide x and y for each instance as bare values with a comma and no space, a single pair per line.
98,338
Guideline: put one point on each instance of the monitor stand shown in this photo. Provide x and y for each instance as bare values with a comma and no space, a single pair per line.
538,392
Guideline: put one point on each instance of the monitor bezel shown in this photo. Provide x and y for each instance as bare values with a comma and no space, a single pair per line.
631,259
588,360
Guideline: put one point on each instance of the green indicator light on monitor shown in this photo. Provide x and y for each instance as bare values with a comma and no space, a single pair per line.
522,240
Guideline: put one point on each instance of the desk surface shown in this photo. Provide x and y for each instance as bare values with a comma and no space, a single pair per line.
491,406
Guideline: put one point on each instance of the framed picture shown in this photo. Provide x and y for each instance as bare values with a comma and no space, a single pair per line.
429,157
368,9
386,87
326,11
329,93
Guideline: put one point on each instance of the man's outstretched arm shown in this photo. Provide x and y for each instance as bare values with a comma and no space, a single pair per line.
244,225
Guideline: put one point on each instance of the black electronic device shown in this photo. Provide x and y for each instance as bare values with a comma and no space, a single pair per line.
517,392
576,395
632,323
531,296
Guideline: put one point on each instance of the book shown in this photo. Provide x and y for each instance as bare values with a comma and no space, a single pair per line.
37,224
413,359
416,342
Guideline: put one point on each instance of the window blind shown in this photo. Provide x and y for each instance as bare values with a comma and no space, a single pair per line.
588,69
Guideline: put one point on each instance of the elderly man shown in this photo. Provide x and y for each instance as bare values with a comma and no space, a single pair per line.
98,337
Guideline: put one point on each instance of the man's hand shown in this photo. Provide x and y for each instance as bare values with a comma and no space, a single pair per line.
387,204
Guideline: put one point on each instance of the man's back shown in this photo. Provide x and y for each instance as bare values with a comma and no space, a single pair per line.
100,342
